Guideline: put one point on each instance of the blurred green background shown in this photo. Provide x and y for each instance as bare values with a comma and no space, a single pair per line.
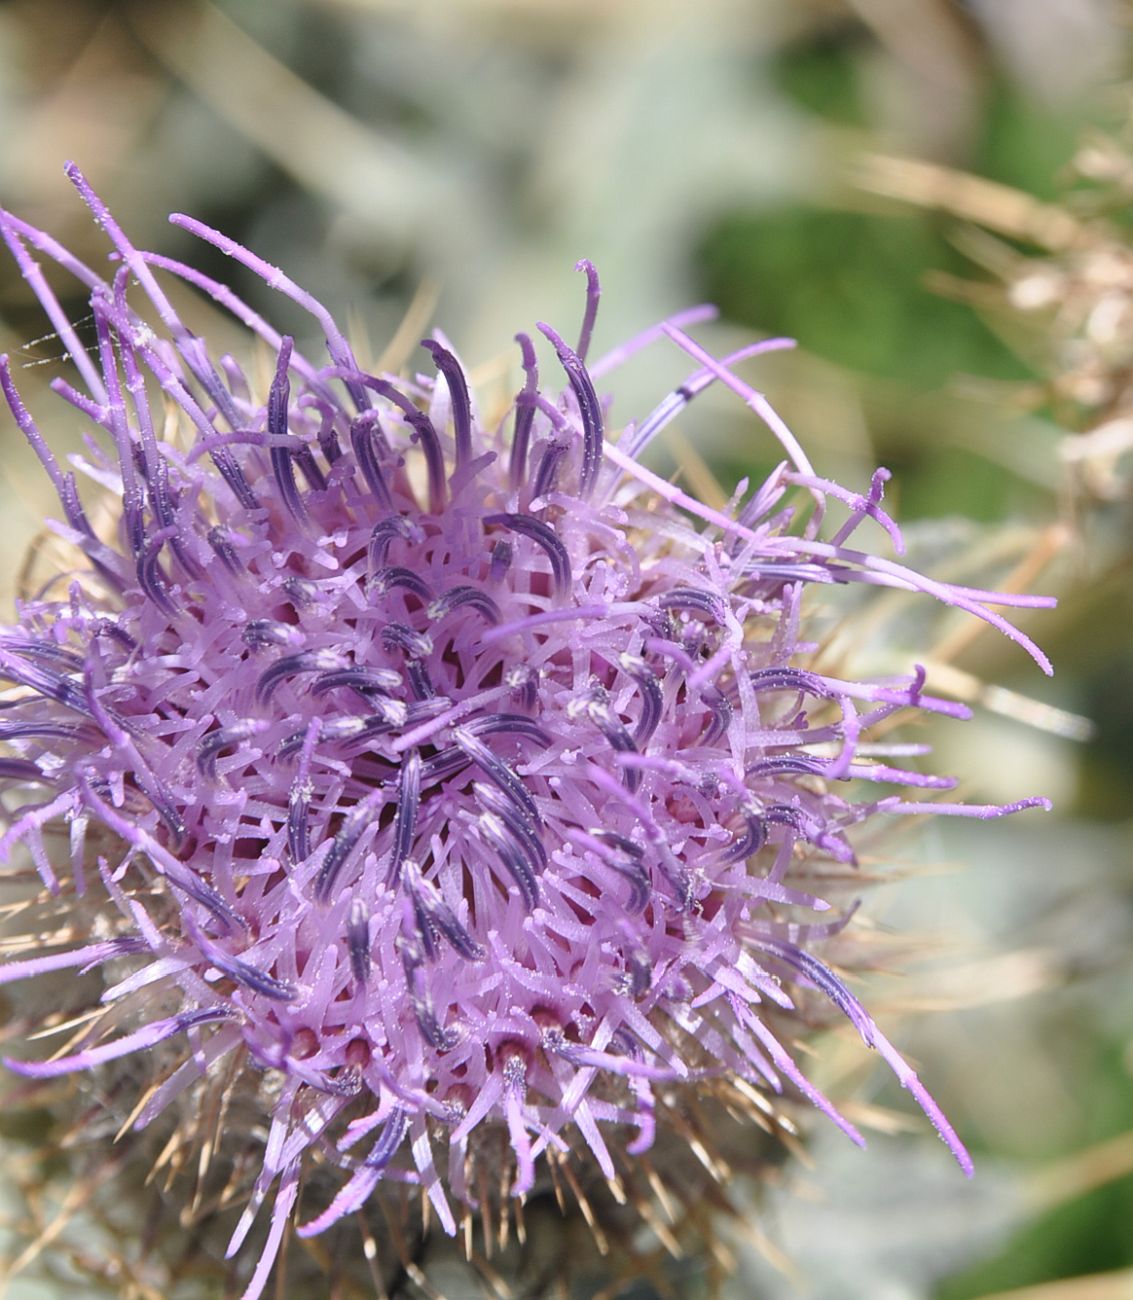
724,151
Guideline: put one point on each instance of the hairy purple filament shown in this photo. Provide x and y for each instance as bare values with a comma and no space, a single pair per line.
501,765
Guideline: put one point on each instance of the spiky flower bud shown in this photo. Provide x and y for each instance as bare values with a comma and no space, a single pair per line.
467,782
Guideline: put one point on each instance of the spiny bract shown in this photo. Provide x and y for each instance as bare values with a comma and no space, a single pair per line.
462,776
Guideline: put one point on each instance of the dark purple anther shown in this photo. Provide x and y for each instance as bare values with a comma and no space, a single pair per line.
640,971
44,681
21,770
443,764
224,550
384,532
415,645
425,710
421,998
787,764
435,917
652,696
302,591
349,833
511,853
633,871
788,679
389,1139
702,602
453,372
261,632
39,730
599,711
621,842
358,942
748,843
110,627
151,579
282,462
464,597
516,818
516,724
547,471
589,409
209,749
396,576
824,979
368,682
593,293
427,437
524,412
307,661
405,819
298,819
46,652
496,770
304,458
545,537
720,708
502,555
778,814
420,683
365,429
252,977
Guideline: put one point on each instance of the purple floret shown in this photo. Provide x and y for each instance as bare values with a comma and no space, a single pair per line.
459,771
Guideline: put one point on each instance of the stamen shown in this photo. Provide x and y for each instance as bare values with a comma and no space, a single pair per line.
362,441
589,409
357,820
703,602
307,661
209,749
358,942
789,679
415,645
281,457
524,412
749,842
593,293
547,471
502,554
394,576
512,856
544,536
722,712
303,591
516,818
426,435
405,820
385,530
457,597
421,684
261,632
496,770
513,723
421,997
389,1140
434,916
298,807
453,373
225,551
652,696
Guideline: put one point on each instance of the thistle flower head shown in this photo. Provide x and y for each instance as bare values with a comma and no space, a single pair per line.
468,780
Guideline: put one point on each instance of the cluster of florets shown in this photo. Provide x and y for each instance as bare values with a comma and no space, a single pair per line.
457,774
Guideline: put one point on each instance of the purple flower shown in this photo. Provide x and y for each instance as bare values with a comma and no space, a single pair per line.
464,776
